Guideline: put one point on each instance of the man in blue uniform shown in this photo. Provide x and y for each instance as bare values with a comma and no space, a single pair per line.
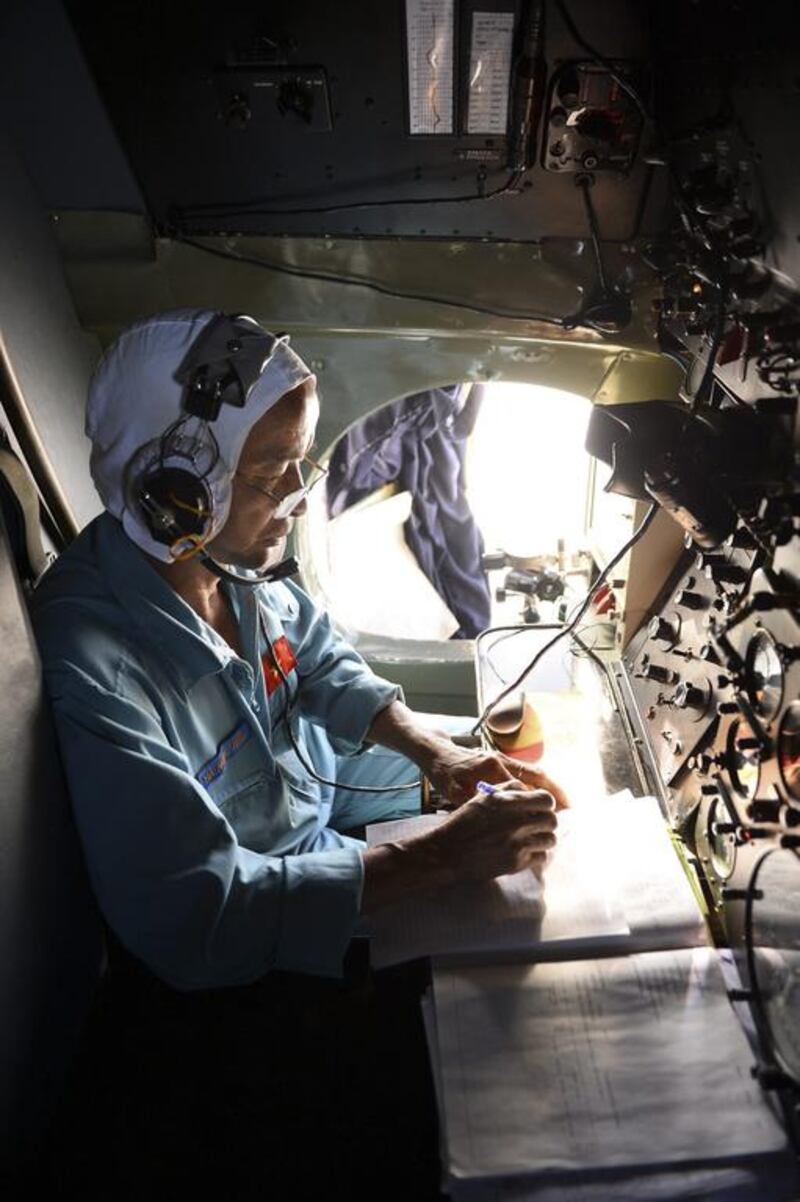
220,741
219,737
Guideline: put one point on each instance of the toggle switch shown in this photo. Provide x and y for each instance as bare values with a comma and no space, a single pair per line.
659,673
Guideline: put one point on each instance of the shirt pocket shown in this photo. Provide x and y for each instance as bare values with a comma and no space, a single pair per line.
252,806
232,786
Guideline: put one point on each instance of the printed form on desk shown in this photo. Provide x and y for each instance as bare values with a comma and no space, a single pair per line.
741,1179
624,1062
614,883
611,1078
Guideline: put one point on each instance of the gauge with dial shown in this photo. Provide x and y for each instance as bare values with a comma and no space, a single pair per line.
789,750
764,675
742,759
721,841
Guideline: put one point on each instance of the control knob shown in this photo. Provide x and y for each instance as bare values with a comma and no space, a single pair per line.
691,600
729,680
658,672
702,763
690,697
751,833
663,630
764,809
744,539
748,743
726,573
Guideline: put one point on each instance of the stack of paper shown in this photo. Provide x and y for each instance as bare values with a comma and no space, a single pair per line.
566,1071
633,1062
613,884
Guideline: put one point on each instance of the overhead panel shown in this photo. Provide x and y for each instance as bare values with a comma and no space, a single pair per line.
393,119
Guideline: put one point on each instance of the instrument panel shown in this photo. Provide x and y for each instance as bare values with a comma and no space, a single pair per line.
714,685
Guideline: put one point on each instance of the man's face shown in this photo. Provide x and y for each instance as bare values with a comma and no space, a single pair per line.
271,459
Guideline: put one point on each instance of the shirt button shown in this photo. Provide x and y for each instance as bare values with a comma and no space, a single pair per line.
256,707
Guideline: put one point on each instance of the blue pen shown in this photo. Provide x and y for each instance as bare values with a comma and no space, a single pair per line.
483,786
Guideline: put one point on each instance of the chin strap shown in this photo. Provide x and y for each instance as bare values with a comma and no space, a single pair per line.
287,567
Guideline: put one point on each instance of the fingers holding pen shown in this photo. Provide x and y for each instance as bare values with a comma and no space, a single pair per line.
504,828
519,803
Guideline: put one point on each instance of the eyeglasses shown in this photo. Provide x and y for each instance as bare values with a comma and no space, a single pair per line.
289,502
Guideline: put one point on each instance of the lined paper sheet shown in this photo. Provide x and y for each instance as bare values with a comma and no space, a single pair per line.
614,883
498,915
602,1063
510,917
659,903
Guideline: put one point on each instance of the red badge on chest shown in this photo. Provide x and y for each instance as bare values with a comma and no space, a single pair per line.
283,654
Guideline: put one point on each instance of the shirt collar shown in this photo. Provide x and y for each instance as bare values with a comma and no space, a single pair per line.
188,647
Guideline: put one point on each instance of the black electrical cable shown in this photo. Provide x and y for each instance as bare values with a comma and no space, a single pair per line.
506,632
291,701
704,387
601,579
253,209
352,281
586,650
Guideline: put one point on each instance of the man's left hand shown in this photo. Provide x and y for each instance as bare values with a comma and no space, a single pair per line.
454,772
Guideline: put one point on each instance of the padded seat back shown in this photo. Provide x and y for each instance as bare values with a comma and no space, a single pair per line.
51,945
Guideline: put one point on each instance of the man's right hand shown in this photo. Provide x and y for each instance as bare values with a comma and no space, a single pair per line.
491,834
506,830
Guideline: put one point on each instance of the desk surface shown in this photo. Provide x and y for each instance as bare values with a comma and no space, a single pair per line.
588,750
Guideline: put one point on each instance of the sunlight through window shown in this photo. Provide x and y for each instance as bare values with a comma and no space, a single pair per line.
528,470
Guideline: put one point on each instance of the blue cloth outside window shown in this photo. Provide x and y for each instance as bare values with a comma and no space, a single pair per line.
420,442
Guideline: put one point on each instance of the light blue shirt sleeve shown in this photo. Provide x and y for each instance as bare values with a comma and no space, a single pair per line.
337,689
173,881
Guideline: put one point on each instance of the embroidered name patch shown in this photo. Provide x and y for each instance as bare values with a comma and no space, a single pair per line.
227,749
283,654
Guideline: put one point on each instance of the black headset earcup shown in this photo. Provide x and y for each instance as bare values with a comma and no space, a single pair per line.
175,504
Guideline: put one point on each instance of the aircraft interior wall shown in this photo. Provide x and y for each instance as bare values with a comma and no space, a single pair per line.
263,160
46,356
